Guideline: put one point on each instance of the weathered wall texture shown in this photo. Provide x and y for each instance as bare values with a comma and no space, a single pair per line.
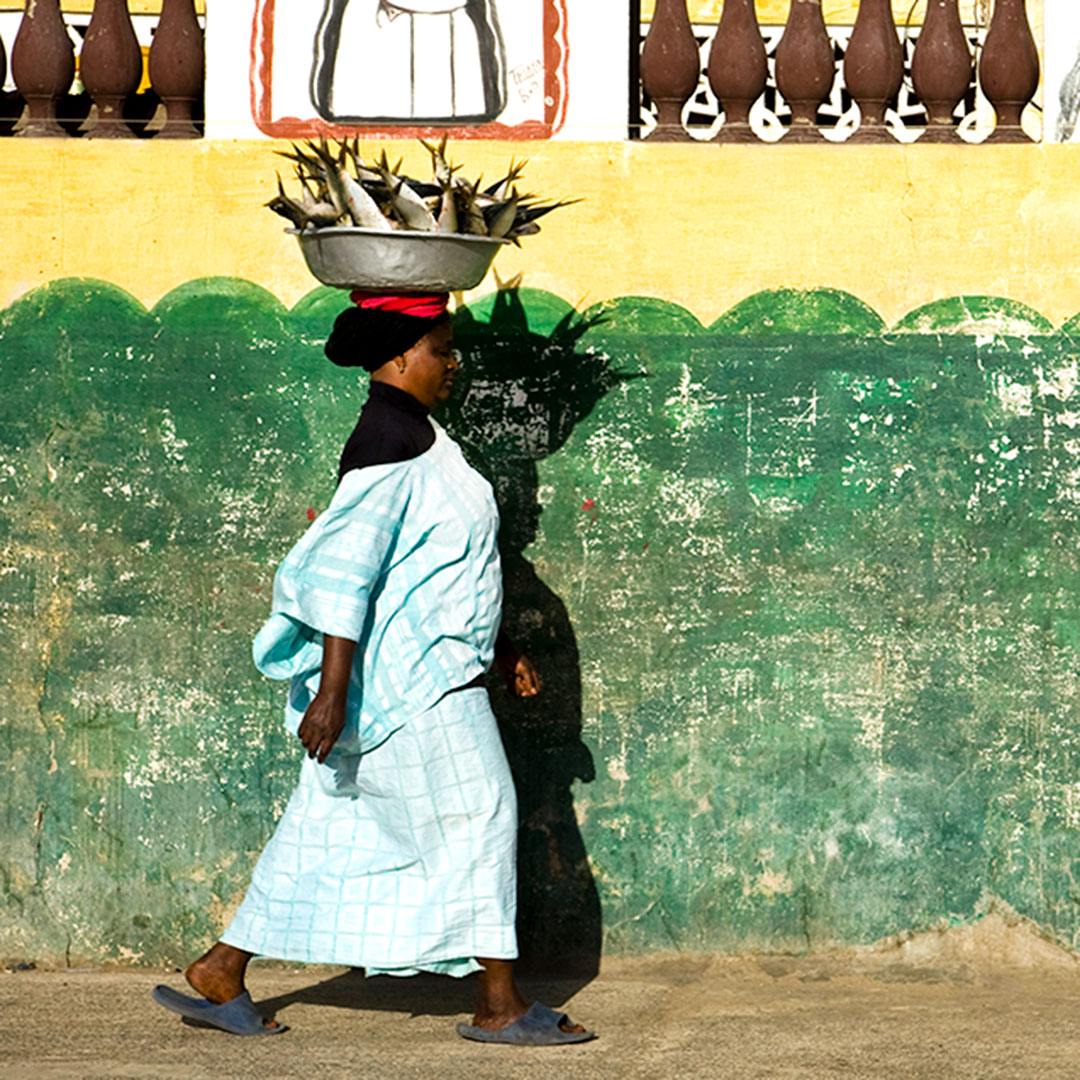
800,579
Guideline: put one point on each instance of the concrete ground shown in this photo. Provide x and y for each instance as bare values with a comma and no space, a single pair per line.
987,1002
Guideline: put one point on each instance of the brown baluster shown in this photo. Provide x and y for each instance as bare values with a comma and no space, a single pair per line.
670,67
1009,69
177,61
737,69
9,109
42,65
873,68
804,68
941,69
110,66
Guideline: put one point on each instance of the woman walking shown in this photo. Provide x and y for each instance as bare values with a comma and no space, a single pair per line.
396,852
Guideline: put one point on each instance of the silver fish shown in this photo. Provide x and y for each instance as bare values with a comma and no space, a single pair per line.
408,206
500,191
362,207
319,214
469,211
503,220
441,168
448,216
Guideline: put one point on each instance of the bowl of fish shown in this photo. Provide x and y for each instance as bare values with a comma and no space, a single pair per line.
349,257
369,226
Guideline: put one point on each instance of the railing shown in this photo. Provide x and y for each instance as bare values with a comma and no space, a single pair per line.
106,75
873,82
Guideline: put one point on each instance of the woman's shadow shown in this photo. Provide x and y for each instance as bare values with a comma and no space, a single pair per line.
517,399
520,394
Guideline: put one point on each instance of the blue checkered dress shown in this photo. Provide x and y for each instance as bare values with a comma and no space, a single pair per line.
396,854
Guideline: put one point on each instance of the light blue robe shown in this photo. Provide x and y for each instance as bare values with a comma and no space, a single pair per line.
398,853
405,562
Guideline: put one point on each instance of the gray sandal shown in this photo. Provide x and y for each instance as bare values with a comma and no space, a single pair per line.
540,1026
238,1017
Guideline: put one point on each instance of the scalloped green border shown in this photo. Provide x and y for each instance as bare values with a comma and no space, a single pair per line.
769,313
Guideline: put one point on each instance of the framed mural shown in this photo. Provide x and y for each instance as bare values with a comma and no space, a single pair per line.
475,68
1062,75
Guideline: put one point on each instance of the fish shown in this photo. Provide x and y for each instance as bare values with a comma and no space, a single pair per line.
304,214
528,229
288,208
338,187
501,189
441,168
448,216
319,196
468,211
363,173
411,209
319,214
363,209
407,204
529,214
500,218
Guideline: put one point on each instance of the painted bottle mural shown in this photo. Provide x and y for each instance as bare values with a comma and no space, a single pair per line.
873,68
670,64
409,61
738,69
941,69
1009,69
177,62
805,69
43,66
110,66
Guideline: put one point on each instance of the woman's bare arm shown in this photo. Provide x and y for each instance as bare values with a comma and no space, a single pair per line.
325,717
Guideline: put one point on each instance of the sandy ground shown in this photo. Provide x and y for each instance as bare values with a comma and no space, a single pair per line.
988,1002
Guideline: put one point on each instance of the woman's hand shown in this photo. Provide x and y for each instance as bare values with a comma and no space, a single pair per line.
526,679
324,720
521,678
322,725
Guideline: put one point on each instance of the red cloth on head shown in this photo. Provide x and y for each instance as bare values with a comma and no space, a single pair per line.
423,307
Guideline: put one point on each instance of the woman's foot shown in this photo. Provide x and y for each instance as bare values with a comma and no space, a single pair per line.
219,975
499,1002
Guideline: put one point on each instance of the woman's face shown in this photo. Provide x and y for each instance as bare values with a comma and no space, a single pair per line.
430,366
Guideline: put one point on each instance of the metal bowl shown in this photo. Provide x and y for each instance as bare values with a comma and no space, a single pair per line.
355,258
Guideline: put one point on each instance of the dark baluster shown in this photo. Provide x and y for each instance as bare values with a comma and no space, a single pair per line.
941,69
804,68
177,61
110,66
670,67
1009,69
873,68
43,66
10,108
737,68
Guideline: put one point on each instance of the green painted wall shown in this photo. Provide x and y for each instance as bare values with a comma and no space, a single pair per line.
801,587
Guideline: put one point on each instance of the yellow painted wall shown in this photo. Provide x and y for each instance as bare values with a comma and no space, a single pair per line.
701,225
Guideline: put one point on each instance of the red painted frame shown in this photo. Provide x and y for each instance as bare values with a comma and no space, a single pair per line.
556,54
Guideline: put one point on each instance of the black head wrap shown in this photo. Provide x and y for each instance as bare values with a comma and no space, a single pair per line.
370,337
